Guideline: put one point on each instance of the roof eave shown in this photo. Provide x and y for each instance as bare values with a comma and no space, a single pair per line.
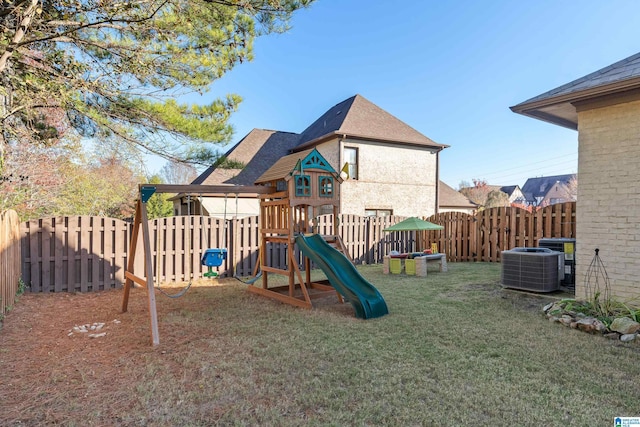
343,135
532,109
549,118
316,141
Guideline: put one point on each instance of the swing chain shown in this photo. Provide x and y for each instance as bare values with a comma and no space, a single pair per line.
190,260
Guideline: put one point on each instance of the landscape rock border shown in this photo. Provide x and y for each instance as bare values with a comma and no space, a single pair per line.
622,328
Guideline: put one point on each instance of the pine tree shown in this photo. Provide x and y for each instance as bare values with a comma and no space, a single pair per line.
115,68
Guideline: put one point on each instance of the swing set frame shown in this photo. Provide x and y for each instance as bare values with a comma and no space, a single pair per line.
141,222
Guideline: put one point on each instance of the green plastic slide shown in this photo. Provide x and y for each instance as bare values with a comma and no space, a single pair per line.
343,276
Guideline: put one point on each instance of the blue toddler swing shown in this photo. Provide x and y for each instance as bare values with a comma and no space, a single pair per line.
214,257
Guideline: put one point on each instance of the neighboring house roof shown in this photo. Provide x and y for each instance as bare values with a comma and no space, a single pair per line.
558,106
496,188
509,189
355,117
536,188
453,199
258,150
282,167
359,118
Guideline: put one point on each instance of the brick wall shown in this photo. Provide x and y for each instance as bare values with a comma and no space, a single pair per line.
608,207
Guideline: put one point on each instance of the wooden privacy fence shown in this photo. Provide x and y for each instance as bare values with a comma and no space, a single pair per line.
481,237
9,258
84,253
76,253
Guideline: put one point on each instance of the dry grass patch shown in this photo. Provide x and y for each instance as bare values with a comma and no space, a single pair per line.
455,349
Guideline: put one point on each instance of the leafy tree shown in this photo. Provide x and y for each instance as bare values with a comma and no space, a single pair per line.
104,187
571,188
33,176
112,70
178,173
483,195
496,198
477,192
49,181
159,205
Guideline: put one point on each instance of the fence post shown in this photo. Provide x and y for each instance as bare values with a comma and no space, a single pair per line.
10,258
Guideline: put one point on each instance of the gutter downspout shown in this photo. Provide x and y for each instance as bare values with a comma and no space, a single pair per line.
437,207
340,163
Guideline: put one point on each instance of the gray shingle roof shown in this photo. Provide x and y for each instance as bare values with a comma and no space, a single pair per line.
625,69
360,118
451,198
259,150
538,187
556,106
282,167
354,117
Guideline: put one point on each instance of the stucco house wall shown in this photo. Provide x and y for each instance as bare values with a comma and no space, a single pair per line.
608,213
399,178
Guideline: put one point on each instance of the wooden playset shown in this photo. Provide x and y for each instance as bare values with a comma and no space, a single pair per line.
294,191
306,186
209,259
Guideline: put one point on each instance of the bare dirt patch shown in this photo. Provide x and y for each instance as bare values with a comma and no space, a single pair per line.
45,361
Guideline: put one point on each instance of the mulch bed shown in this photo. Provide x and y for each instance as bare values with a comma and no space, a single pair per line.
45,362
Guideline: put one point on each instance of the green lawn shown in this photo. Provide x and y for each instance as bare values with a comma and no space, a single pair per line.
456,349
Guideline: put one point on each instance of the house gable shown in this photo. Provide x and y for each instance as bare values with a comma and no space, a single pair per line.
356,123
358,118
536,190
355,118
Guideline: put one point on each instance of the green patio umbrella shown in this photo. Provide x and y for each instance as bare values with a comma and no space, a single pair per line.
414,224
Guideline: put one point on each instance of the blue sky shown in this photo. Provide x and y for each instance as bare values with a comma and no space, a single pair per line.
450,69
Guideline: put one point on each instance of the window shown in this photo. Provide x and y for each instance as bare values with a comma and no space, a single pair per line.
303,186
351,158
378,212
325,185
